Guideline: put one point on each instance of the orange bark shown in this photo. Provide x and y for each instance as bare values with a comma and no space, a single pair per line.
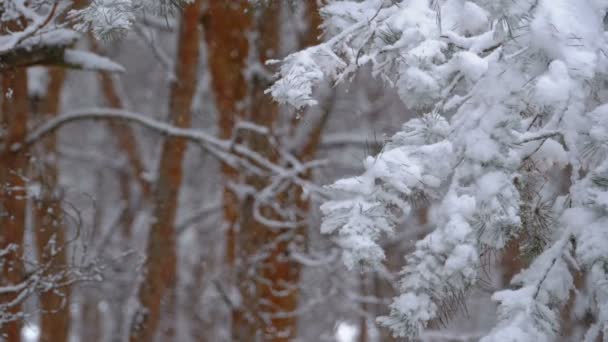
281,271
49,221
271,295
228,48
161,262
313,32
225,33
228,52
269,287
13,119
49,224
226,27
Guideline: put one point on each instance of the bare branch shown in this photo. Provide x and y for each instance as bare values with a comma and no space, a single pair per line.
235,155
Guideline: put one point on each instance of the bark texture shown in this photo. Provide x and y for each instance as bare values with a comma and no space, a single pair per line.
225,27
264,275
49,226
161,263
13,197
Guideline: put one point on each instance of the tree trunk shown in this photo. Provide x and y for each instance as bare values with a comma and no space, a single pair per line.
289,270
124,133
363,333
127,142
49,222
225,33
226,29
161,262
91,317
265,284
268,286
200,329
13,196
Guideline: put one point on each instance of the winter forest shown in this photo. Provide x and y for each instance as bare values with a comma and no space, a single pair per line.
303,170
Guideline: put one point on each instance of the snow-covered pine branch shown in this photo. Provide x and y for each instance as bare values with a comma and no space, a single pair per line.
504,91
41,32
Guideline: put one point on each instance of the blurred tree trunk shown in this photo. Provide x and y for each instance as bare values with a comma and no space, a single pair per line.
13,196
263,283
91,317
258,255
246,237
308,150
363,333
268,286
382,289
49,225
311,36
161,263
124,133
226,28
306,153
127,142
200,330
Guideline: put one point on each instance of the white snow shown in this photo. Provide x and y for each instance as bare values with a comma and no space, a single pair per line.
90,61
518,81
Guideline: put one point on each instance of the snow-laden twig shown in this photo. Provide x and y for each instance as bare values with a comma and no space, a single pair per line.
38,22
225,150
507,75
228,151
341,140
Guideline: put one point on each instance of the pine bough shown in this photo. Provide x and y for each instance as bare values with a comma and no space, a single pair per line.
511,107
41,32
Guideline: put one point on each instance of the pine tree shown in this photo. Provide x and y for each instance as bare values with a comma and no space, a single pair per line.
506,93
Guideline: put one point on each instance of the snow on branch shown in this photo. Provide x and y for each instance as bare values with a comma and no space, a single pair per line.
503,91
217,147
228,151
42,33
89,61
399,178
42,278
42,40
531,312
38,22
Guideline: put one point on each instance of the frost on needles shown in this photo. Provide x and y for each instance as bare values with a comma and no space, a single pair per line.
44,32
511,106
